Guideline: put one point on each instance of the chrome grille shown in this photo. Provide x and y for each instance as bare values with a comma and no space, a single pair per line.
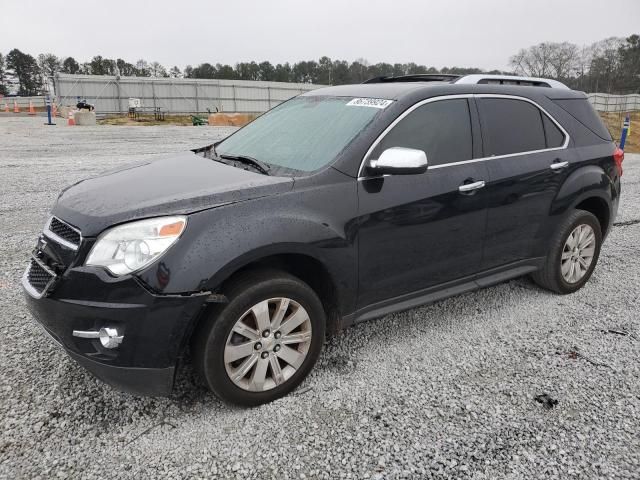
37,278
63,233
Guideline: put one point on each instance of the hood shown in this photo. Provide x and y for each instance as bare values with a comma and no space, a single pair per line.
178,184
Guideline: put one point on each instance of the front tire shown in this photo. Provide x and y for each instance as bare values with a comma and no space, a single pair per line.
264,342
573,254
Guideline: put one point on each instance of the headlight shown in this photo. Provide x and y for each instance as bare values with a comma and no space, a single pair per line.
132,246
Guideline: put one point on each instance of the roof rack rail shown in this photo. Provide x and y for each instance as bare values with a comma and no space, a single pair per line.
479,78
418,77
473,79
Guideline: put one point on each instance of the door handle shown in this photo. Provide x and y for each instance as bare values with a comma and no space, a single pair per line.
470,187
559,165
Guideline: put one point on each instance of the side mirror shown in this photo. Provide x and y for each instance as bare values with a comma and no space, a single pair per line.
399,161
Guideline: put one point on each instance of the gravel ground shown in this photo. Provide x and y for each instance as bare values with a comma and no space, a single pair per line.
442,391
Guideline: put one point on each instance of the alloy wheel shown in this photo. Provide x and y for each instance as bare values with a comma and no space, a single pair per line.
577,253
267,344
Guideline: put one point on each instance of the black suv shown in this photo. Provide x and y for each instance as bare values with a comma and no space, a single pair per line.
341,205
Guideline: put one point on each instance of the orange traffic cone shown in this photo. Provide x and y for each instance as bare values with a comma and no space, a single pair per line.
6,107
16,109
32,111
71,120
55,110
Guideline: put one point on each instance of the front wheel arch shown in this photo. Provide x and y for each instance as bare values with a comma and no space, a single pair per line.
303,266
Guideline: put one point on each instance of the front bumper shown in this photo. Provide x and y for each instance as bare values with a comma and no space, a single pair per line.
155,327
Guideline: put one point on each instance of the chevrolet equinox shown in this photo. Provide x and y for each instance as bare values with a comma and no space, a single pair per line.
340,205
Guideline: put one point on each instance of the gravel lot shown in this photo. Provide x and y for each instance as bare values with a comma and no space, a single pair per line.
442,391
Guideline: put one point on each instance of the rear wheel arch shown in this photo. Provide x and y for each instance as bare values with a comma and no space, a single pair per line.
585,182
590,189
599,207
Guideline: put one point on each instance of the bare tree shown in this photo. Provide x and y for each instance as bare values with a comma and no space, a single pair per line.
534,61
547,59
605,63
564,59
583,63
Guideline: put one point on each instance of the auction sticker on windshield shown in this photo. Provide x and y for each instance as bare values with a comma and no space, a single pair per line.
370,102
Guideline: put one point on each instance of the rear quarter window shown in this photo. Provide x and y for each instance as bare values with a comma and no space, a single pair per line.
555,137
582,111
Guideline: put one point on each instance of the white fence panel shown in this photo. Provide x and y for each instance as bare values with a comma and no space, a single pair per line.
604,102
23,102
110,94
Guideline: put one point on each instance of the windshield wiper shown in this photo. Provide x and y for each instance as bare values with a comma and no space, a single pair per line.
257,164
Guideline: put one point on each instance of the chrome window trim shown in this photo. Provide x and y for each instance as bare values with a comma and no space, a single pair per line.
48,233
567,138
25,279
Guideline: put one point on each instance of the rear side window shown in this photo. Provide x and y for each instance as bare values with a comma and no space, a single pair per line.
511,126
442,129
555,137
582,111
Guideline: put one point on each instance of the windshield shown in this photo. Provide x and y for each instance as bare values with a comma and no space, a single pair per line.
303,134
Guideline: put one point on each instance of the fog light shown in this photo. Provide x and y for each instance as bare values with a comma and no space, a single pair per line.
109,337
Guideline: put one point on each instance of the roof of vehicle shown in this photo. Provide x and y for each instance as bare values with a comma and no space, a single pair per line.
425,89
389,91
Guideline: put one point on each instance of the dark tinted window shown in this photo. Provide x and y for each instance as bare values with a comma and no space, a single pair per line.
555,138
582,111
442,129
511,126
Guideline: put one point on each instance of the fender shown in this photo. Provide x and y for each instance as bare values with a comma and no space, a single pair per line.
221,241
264,252
583,183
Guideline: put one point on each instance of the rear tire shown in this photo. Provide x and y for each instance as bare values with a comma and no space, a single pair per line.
573,254
246,352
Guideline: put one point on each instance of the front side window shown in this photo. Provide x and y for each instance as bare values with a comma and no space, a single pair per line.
442,129
511,126
301,135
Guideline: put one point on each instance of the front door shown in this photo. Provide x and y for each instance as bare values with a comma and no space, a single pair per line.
417,231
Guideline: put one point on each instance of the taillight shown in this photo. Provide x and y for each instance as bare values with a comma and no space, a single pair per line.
618,157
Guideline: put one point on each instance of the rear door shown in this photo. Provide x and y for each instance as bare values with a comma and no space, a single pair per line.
417,231
528,162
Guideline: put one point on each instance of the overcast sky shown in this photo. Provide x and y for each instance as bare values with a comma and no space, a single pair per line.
478,33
